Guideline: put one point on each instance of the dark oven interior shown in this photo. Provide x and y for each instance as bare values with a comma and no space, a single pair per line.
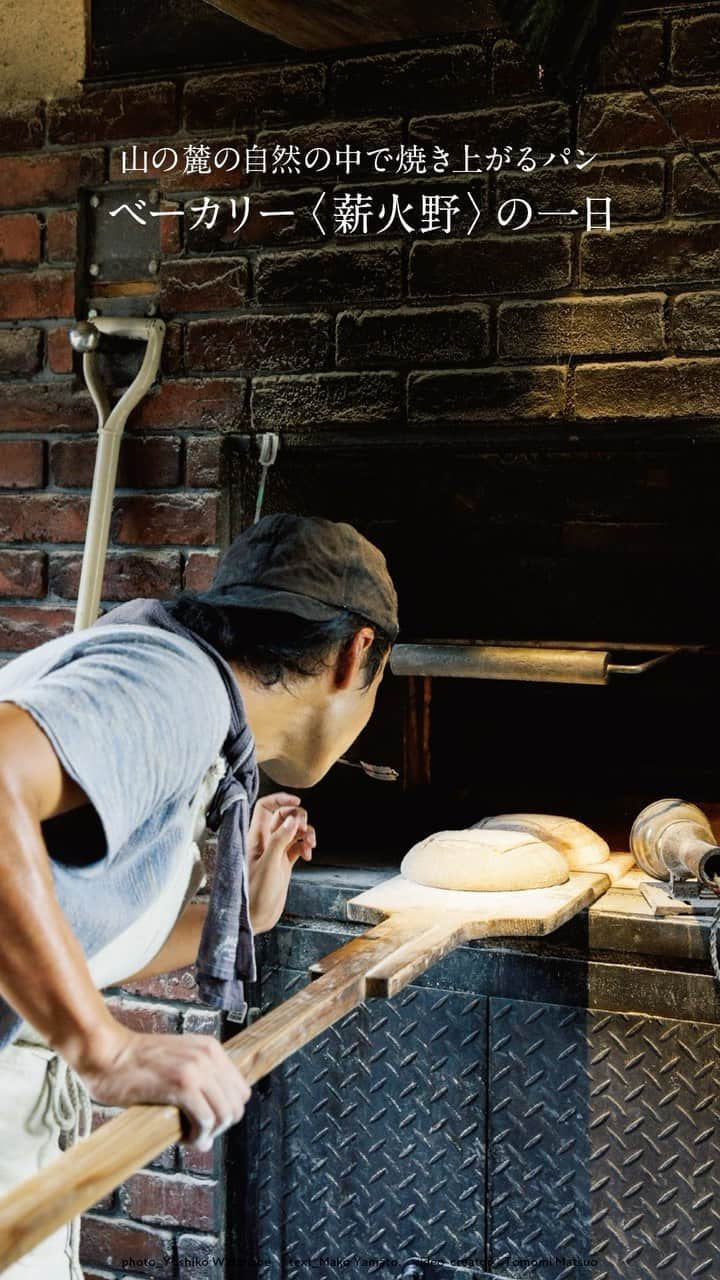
607,541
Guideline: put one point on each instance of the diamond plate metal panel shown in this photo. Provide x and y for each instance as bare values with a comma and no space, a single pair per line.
371,1140
602,1144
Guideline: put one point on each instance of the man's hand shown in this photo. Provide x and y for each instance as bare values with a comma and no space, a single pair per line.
192,1072
279,835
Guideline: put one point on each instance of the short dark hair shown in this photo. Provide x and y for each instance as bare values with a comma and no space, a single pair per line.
272,645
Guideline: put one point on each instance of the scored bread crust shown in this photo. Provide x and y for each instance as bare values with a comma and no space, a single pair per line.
579,845
488,860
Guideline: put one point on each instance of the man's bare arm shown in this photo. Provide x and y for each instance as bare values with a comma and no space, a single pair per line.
44,973
180,948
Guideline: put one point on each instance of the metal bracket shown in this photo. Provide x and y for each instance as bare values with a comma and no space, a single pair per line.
679,897
119,252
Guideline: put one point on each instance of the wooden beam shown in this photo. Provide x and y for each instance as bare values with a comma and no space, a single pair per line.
328,24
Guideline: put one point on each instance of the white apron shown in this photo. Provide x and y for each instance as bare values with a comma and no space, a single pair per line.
42,1098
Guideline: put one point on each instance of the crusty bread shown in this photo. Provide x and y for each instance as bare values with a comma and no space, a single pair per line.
489,859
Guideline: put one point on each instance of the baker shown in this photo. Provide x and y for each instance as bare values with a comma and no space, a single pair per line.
118,744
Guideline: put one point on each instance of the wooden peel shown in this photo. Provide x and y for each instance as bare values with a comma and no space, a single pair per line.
428,922
413,927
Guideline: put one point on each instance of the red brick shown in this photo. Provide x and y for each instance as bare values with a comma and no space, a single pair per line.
59,351
110,112
171,228
172,363
223,170
695,47
494,264
203,1162
672,388
453,78
23,574
663,256
629,121
696,322
25,295
150,1019
363,136
19,240
618,122
61,238
110,1242
214,284
635,56
45,406
695,190
254,341
199,569
127,575
205,1255
695,113
143,463
582,326
330,275
481,394
178,985
201,1022
287,92
53,178
166,519
26,626
635,187
42,517
22,464
530,124
204,462
172,1200
413,335
21,126
260,226
20,350
211,404
325,399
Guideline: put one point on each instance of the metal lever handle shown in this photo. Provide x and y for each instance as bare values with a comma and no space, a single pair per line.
111,424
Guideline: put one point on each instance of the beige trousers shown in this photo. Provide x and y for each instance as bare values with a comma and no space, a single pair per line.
40,1100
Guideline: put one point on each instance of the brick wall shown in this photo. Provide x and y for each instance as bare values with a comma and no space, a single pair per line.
279,328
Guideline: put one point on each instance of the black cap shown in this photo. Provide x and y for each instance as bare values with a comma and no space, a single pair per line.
308,566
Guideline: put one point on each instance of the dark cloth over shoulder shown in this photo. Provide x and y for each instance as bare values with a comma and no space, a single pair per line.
226,956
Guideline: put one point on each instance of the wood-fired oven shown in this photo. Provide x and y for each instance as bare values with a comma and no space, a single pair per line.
527,1106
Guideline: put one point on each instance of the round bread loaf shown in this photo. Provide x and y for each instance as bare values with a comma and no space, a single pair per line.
489,860
579,845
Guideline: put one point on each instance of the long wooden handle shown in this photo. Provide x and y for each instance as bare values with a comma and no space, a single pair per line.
78,1178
